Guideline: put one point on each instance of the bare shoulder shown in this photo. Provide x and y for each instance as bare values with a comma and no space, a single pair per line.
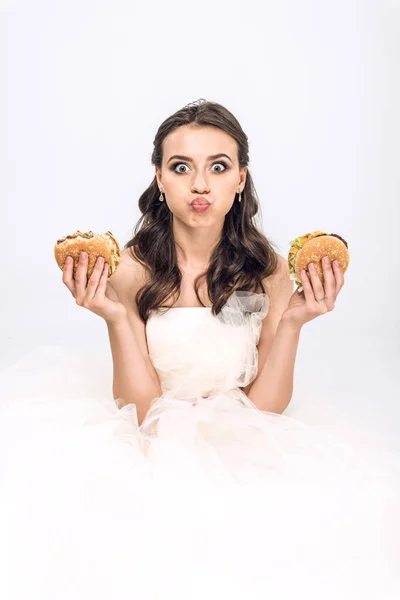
128,278
279,286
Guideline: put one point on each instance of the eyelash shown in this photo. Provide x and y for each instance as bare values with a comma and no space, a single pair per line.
219,162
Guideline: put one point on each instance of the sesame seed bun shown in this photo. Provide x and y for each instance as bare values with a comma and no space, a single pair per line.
94,244
312,247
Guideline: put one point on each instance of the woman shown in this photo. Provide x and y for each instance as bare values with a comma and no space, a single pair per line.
193,483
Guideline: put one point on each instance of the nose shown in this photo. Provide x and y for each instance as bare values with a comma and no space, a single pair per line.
199,184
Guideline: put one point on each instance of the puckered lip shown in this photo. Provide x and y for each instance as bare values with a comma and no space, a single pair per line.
200,201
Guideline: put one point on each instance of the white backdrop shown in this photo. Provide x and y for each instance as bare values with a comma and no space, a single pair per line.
316,86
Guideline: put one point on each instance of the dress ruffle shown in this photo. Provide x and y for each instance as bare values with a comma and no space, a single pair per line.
209,497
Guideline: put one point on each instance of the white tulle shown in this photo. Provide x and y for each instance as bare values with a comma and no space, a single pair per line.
209,498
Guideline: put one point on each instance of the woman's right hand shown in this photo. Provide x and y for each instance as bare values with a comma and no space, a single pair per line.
96,295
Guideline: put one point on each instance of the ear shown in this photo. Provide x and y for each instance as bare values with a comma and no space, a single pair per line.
158,177
243,175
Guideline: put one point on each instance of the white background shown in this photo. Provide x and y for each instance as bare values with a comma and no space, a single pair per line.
315,84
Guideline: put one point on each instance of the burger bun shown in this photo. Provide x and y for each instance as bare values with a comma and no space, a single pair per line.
94,244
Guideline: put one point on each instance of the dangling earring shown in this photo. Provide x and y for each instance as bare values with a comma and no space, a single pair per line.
240,196
161,197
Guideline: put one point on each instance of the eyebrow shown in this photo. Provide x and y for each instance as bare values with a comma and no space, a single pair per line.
212,157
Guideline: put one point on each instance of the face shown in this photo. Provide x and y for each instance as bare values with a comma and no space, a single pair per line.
190,168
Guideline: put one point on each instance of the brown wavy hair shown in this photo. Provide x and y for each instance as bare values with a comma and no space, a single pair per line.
242,258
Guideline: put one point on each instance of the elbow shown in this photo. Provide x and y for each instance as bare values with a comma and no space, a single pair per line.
141,396
272,405
279,410
142,400
142,405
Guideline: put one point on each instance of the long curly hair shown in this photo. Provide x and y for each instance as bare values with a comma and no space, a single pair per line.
242,258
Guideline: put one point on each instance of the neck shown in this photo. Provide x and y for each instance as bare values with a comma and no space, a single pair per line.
195,246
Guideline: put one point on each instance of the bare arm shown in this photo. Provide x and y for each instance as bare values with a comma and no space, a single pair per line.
134,377
273,387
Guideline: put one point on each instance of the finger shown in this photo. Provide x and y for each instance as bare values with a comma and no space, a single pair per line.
95,278
81,276
339,276
101,289
307,288
329,281
68,274
316,283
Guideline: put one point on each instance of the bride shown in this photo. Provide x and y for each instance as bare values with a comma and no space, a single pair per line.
189,480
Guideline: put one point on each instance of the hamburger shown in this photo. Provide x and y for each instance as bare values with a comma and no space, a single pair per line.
312,247
94,244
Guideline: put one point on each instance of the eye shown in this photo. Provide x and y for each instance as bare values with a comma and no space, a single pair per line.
175,165
223,164
178,165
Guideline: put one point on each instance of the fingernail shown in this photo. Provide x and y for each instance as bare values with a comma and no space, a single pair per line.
336,263
83,255
326,260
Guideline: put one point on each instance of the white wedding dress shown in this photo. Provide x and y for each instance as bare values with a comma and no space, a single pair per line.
210,498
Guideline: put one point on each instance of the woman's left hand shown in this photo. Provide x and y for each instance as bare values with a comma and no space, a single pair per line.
304,306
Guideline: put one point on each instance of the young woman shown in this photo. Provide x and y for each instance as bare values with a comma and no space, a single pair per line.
191,482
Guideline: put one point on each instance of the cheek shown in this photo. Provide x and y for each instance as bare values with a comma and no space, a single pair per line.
225,190
170,181
229,186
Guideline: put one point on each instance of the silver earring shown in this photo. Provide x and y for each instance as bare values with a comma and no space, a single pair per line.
161,197
240,196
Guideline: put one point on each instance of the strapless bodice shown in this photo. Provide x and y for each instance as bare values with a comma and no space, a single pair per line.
195,352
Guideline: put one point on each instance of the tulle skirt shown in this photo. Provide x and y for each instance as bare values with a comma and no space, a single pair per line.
208,498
